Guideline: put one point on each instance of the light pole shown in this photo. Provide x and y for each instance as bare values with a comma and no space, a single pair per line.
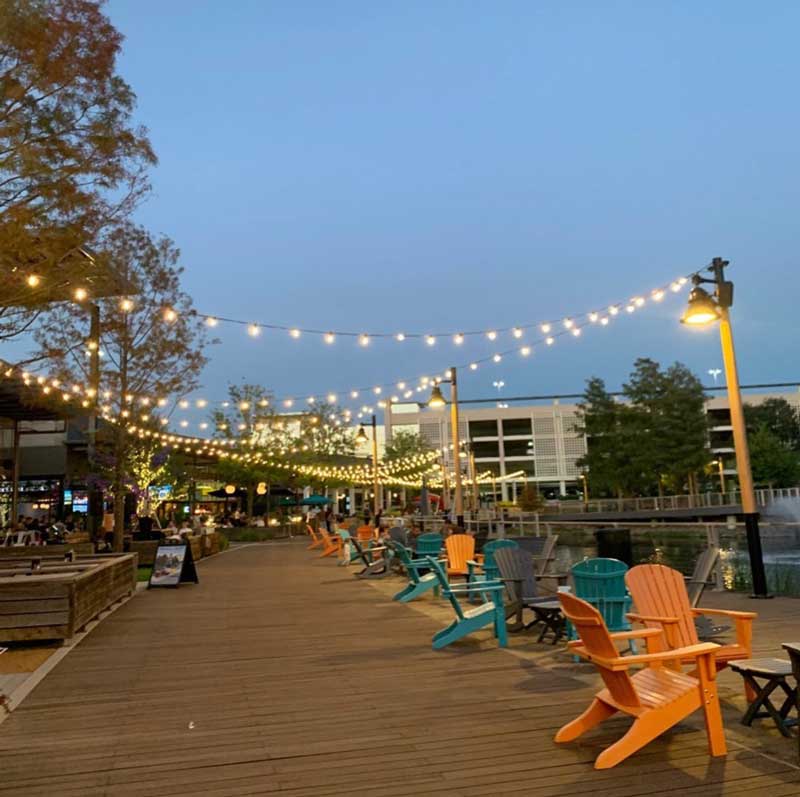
703,310
585,490
718,462
436,401
361,437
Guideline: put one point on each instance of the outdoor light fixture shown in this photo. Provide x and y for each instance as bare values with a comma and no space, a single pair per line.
437,400
230,489
361,435
703,309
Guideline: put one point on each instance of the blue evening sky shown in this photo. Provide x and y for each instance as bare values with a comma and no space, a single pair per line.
442,166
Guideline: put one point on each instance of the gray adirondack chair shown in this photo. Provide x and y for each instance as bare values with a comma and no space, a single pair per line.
517,570
543,550
696,584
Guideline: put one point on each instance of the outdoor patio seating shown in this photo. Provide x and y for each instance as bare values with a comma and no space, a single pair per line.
429,544
316,538
420,577
661,600
460,552
467,621
516,570
601,582
543,550
332,544
656,696
793,649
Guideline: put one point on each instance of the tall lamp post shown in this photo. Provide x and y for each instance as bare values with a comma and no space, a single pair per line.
720,466
702,310
437,400
361,437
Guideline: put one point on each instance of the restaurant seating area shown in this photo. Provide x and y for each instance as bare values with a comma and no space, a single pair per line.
637,626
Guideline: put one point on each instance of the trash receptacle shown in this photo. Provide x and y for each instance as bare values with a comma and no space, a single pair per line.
615,544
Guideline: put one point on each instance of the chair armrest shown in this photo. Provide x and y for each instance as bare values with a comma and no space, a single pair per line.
639,634
648,618
726,613
625,662
483,586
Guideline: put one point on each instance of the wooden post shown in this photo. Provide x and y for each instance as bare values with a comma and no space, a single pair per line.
15,476
458,503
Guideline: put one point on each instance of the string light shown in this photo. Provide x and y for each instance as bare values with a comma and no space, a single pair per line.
80,294
330,337
363,340
170,315
254,330
126,305
33,280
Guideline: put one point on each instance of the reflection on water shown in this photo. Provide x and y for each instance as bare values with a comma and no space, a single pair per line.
679,548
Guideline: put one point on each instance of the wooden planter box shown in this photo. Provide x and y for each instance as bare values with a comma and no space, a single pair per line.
60,598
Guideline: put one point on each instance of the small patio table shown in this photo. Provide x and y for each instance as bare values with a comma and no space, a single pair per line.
773,674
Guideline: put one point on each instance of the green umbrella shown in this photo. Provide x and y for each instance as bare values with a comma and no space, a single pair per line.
316,500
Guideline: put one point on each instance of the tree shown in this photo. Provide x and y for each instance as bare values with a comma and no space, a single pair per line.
772,462
71,161
248,418
152,342
608,454
405,444
779,417
668,422
530,500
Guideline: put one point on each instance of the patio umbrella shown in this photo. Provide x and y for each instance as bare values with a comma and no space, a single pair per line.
316,500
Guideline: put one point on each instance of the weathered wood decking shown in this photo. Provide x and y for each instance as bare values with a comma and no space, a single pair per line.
281,673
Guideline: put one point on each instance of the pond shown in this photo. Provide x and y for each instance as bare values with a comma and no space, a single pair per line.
679,548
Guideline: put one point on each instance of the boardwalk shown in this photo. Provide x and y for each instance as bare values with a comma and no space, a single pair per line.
281,673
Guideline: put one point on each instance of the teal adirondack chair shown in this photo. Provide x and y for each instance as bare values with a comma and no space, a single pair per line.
429,544
490,612
601,582
420,577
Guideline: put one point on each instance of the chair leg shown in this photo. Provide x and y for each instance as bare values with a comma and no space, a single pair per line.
709,700
642,732
594,715
500,630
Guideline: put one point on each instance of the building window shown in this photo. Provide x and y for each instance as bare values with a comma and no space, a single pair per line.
518,448
482,429
489,450
516,426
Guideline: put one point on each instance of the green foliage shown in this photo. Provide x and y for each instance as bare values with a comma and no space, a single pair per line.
777,415
71,160
772,462
405,444
657,437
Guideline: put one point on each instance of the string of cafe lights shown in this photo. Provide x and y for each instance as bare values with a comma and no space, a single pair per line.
384,393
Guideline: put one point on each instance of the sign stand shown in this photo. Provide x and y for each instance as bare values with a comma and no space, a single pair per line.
173,565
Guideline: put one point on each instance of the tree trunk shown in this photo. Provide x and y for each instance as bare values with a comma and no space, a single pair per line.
251,498
119,489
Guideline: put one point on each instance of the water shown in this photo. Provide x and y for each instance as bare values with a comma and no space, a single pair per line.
679,548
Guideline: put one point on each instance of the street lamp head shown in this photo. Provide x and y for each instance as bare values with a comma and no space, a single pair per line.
701,310
437,400
361,435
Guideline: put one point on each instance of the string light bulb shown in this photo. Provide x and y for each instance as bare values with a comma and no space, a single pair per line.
170,315
80,294
400,337
516,332
33,280
430,340
330,337
363,340
525,351
254,330
295,333
458,338
491,334
211,321
497,357
126,305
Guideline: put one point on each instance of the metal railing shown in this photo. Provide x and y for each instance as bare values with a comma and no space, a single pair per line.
764,497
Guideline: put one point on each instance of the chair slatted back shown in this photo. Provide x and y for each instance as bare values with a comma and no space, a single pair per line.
399,534
429,544
542,548
365,533
518,565
441,577
311,533
460,548
660,591
596,639
702,574
489,552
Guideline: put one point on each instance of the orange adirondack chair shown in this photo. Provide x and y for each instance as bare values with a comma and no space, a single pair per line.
656,696
460,550
332,543
316,539
661,600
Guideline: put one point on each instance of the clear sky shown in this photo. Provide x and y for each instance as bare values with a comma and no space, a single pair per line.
448,165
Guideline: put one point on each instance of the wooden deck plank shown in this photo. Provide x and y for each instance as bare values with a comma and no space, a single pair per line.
280,673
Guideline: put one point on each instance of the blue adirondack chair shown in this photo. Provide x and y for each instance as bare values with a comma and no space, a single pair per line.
601,582
490,612
420,578
429,544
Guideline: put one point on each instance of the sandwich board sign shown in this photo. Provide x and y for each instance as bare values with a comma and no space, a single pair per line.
173,565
